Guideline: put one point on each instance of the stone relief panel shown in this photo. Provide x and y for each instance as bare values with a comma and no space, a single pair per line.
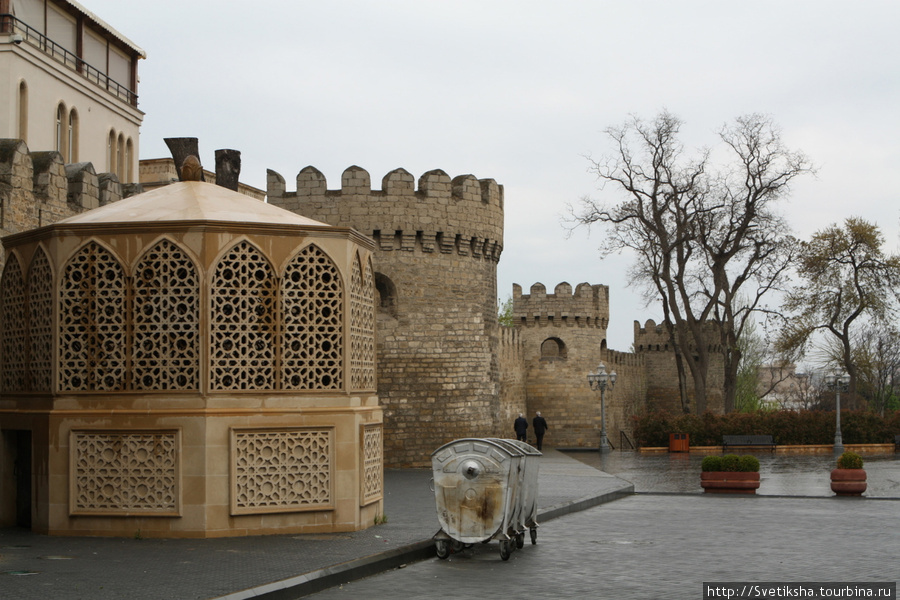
372,461
362,327
312,313
125,472
166,320
243,321
92,338
13,328
285,470
40,322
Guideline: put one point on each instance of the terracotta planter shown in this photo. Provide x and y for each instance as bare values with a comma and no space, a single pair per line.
729,482
848,482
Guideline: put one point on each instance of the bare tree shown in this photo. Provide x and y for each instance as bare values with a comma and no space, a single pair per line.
847,280
703,235
877,355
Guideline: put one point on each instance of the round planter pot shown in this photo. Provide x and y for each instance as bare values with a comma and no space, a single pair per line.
728,482
848,482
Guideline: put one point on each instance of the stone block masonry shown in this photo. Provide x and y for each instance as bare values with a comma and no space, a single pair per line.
437,247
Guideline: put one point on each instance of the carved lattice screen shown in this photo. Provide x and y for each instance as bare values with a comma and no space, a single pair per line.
166,320
92,342
124,472
40,321
362,327
281,470
13,328
372,480
312,314
243,321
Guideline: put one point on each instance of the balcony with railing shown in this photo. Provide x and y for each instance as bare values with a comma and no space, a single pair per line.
21,32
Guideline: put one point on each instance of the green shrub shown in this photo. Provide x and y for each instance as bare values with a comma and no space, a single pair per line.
652,429
850,460
711,463
731,463
749,464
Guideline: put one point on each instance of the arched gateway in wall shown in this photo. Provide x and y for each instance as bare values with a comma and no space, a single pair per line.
189,362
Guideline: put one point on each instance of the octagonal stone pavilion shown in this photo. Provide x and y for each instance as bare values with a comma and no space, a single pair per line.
189,362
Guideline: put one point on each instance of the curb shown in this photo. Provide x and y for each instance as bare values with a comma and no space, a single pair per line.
322,579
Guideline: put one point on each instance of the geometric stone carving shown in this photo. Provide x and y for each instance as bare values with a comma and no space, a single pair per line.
92,344
243,321
372,461
124,473
166,320
40,321
13,328
362,327
312,316
281,470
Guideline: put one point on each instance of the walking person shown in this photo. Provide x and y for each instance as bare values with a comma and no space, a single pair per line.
540,427
521,426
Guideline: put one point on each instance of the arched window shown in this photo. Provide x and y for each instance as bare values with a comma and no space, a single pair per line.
73,136
128,173
166,320
62,127
312,315
111,152
23,111
386,301
92,322
242,321
553,349
120,156
362,326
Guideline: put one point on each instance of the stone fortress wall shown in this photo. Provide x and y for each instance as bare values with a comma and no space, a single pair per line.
446,369
438,242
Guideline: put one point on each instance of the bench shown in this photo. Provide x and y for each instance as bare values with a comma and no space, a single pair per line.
747,441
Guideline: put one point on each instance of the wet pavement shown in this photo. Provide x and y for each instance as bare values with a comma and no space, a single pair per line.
779,474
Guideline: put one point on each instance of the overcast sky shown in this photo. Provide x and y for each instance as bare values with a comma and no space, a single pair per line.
521,92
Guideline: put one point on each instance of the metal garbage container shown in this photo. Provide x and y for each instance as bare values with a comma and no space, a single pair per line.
485,489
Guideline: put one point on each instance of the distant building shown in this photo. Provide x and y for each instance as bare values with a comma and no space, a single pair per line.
782,387
71,81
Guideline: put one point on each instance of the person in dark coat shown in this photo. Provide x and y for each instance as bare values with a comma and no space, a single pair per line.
521,426
540,427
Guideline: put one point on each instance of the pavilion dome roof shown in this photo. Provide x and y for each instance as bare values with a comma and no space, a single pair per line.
190,201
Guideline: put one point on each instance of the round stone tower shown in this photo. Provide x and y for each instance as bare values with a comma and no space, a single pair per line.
437,249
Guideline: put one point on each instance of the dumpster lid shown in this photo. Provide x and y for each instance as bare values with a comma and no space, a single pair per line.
487,444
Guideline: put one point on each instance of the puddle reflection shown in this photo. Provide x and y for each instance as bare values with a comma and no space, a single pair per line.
779,474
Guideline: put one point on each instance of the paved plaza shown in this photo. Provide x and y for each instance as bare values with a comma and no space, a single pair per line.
597,540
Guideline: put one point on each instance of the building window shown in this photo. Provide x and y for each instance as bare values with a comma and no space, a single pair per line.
553,348
73,136
111,152
23,111
61,131
128,173
120,156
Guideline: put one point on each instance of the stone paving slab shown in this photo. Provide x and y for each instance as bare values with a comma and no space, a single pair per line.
650,546
270,567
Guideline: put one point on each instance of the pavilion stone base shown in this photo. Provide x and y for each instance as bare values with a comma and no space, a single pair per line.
202,471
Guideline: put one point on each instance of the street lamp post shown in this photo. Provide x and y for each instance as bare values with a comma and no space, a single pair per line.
601,380
839,382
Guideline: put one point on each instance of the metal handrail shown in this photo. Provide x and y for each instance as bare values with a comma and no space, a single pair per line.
623,437
10,24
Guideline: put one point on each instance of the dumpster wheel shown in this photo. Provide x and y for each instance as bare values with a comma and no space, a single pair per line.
533,531
505,549
520,540
442,548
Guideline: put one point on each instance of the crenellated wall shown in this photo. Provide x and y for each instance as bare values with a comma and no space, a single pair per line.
438,242
37,189
654,343
563,338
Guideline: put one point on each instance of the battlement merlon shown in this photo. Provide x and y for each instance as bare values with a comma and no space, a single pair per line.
462,215
587,306
652,337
